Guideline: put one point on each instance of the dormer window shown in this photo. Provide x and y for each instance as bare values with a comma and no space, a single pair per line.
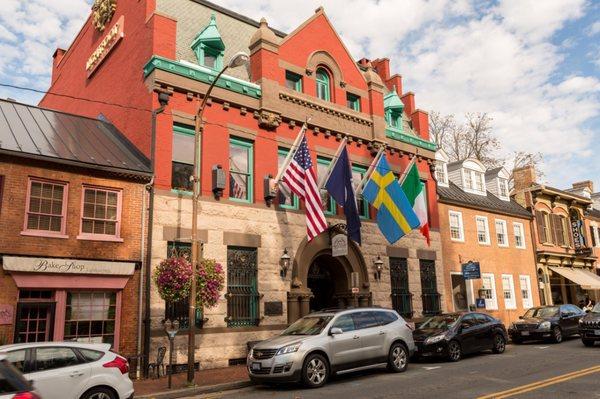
441,168
503,188
474,181
393,108
209,47
323,84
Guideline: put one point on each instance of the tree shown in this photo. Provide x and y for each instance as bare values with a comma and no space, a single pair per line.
521,159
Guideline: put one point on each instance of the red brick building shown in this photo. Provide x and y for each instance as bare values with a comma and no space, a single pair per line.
177,47
71,193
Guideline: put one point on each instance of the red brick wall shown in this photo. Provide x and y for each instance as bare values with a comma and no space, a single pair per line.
16,173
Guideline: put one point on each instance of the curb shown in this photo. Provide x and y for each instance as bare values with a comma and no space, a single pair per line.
180,393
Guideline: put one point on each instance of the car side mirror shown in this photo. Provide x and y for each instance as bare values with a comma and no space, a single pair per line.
464,326
564,315
335,331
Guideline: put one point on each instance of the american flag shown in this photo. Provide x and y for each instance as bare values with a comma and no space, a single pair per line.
301,178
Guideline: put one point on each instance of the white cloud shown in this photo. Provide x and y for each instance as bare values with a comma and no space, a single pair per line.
594,28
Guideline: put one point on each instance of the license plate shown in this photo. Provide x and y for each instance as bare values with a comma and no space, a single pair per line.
524,333
255,366
596,332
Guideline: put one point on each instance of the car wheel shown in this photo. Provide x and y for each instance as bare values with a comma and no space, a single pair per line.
557,336
454,351
315,371
398,358
99,393
499,344
588,342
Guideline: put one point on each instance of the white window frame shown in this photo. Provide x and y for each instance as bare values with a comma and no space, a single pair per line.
474,176
487,229
522,235
512,302
505,228
461,229
490,304
441,168
527,302
503,183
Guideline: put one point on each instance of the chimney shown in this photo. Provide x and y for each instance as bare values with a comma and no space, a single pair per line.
364,62
408,100
524,177
382,67
420,122
579,186
56,58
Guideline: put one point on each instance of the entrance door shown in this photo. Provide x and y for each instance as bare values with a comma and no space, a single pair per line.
459,292
35,316
328,281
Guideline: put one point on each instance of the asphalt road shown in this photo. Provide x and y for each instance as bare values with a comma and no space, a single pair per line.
535,370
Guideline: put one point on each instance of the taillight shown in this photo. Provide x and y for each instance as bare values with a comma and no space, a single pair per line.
26,395
120,363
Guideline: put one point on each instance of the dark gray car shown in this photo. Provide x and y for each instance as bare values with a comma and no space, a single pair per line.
322,343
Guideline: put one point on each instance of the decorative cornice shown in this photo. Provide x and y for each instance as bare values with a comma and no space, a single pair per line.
202,74
407,138
327,110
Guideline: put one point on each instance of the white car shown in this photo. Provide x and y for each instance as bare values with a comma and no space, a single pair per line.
70,370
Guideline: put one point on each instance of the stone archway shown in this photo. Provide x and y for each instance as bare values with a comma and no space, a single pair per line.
305,256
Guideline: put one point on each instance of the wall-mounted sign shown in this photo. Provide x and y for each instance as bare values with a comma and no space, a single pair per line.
339,245
578,236
471,270
273,308
6,314
480,303
66,266
114,35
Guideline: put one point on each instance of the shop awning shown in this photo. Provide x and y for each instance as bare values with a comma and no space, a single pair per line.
586,279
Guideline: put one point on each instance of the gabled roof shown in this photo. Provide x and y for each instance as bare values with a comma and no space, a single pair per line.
391,100
489,202
32,132
210,35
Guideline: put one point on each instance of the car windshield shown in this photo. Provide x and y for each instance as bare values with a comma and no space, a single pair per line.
542,312
596,308
445,321
311,325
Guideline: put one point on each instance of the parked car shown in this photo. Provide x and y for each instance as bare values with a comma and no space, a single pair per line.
552,323
327,342
589,326
453,335
12,383
70,370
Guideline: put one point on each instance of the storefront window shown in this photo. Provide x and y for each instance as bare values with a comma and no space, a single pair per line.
90,317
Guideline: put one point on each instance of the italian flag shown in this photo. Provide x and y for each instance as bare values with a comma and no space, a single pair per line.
414,189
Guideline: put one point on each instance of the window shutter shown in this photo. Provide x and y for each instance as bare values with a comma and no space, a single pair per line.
567,232
559,236
592,236
541,226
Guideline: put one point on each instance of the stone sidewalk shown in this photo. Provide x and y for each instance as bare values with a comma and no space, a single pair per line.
207,381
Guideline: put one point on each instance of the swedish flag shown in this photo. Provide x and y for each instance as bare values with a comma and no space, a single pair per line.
395,215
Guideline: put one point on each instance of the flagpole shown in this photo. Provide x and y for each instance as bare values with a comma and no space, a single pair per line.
292,151
325,177
367,175
407,169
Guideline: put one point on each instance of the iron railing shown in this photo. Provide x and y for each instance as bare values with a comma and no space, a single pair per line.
402,303
431,304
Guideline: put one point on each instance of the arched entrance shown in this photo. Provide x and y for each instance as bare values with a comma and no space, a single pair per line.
320,280
327,282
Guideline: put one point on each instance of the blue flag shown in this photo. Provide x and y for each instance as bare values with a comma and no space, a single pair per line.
339,186
395,214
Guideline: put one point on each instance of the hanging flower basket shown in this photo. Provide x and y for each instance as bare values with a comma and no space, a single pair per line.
173,276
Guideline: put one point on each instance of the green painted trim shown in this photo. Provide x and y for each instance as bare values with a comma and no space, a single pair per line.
182,192
295,205
184,129
249,146
202,74
296,79
332,207
354,100
409,139
364,212
325,81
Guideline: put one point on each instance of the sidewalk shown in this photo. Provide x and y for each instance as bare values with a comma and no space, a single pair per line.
207,381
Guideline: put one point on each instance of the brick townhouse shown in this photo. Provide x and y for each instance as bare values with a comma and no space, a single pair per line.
480,223
177,47
565,255
71,193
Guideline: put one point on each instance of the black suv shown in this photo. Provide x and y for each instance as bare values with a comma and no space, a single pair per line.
546,322
12,383
589,326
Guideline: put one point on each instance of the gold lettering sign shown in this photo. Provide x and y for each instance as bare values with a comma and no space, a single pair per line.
114,35
102,13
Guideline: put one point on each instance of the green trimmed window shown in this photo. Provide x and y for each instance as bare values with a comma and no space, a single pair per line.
293,81
182,165
394,119
322,165
180,310
353,101
358,172
323,84
208,46
286,199
241,165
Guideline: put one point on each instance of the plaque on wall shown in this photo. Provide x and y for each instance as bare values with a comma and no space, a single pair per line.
6,314
273,308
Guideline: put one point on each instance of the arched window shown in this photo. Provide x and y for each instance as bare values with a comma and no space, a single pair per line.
323,85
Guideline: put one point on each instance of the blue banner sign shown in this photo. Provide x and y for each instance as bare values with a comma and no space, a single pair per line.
480,302
471,270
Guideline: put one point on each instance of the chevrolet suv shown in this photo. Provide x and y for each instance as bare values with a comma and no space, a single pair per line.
327,342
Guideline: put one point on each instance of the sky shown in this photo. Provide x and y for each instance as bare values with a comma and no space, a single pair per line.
533,65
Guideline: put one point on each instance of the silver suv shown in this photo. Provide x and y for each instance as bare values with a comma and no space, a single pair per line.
327,342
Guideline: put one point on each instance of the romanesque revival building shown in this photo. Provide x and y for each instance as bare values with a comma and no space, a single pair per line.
173,49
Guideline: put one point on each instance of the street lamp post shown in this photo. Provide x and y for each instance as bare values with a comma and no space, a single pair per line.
237,60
